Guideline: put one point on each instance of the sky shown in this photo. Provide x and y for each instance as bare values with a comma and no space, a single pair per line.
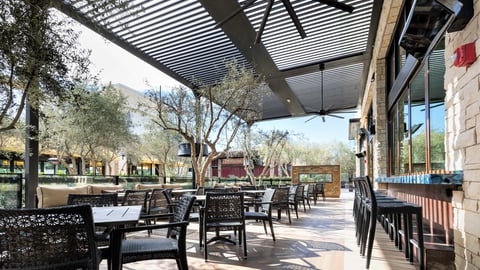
119,66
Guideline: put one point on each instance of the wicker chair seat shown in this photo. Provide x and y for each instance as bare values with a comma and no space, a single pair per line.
148,249
255,215
263,211
125,249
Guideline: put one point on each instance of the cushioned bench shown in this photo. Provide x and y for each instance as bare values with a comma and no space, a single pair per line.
50,196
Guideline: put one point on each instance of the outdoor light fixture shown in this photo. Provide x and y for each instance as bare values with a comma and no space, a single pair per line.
53,160
364,132
361,154
185,150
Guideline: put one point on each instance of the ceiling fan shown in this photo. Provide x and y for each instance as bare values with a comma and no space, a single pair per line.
291,12
323,112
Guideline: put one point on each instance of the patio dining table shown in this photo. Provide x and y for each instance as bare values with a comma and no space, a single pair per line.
255,193
201,198
181,191
116,215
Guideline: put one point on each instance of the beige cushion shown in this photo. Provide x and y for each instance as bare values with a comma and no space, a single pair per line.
97,189
57,196
148,186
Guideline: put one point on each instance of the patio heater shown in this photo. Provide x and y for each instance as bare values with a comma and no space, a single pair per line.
185,150
54,161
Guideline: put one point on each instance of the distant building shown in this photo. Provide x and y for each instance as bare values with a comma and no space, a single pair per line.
231,164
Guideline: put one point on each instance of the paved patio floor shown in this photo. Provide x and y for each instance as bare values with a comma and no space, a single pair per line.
323,237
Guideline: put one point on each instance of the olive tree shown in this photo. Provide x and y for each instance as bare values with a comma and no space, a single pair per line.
92,123
160,145
211,115
272,147
39,57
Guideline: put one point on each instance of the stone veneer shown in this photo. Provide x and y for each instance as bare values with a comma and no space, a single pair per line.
332,189
462,144
462,128
375,94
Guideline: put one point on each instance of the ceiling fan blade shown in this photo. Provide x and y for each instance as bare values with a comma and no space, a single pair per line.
336,116
246,5
294,18
339,5
310,118
323,118
264,21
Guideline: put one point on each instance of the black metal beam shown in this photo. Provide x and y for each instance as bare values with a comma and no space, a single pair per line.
241,33
78,16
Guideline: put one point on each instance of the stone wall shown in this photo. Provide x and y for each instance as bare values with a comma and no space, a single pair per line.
375,93
462,144
462,127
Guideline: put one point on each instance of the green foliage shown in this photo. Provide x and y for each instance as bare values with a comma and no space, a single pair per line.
161,145
39,57
210,115
92,123
281,147
437,148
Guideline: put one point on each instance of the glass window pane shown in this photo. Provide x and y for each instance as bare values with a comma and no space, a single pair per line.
437,110
398,139
316,177
404,122
417,130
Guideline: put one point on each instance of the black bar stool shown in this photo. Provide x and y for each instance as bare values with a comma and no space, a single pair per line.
373,209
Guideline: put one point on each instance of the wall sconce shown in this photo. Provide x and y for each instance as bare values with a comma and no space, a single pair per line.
364,132
361,154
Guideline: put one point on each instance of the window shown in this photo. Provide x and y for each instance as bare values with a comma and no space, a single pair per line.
416,131
417,121
398,136
315,177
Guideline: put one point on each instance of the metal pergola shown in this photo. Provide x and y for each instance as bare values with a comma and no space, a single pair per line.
181,38
323,67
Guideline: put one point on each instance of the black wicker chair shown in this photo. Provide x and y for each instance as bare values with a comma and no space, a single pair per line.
159,202
280,202
94,200
223,211
296,197
125,249
214,190
309,193
102,235
136,197
48,238
319,190
264,212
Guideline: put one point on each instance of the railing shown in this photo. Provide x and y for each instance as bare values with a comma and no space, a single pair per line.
11,187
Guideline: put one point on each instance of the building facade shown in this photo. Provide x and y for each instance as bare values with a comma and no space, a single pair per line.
421,117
